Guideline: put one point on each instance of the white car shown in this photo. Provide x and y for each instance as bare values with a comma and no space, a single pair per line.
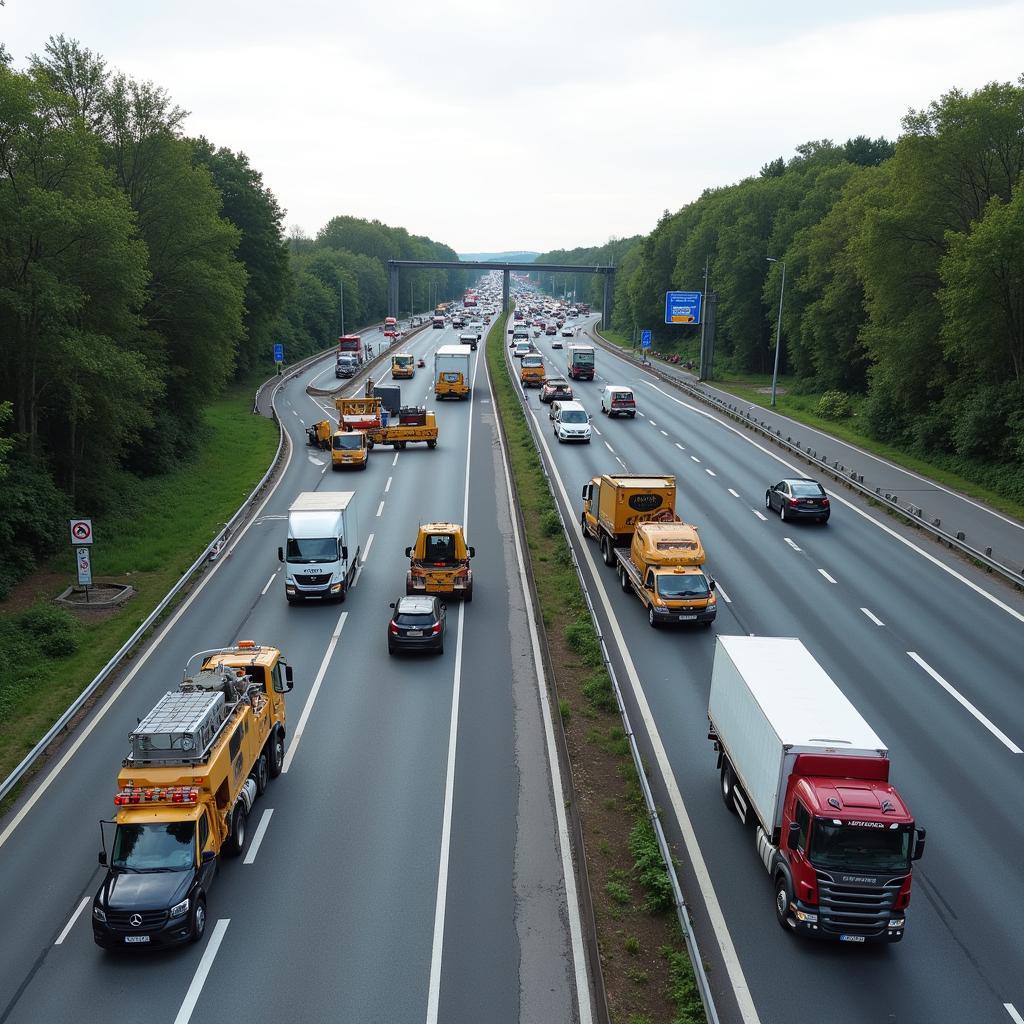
557,343
568,332
522,348
570,422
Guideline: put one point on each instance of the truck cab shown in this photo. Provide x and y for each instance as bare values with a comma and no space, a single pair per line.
581,362
390,327
439,562
531,370
349,449
403,365
322,552
614,505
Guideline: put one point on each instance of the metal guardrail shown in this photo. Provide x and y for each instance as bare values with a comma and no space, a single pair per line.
838,471
653,815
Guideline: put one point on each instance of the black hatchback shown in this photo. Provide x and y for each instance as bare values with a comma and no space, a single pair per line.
798,499
417,624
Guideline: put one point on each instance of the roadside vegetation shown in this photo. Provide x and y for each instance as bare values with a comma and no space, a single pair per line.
648,977
161,525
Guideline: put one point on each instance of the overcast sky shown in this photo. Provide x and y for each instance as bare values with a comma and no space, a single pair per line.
526,124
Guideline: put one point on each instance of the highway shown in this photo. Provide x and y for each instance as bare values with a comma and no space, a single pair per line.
411,864
926,647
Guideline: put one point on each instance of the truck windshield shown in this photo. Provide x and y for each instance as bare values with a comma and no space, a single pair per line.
319,549
403,360
682,588
169,846
853,846
347,443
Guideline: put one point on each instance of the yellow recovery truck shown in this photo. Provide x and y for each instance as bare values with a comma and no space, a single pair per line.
197,762
403,365
613,506
663,568
415,423
439,562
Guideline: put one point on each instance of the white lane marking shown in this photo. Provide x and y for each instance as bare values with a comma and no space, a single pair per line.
71,921
871,615
380,509
680,447
609,447
394,461
826,575
710,472
565,847
440,906
596,431
760,515
267,587
734,968
722,593
294,413
387,486
257,837
620,462
652,423
980,591
86,731
1014,1015
322,471
964,702
664,433
317,683
733,493
196,988
695,459
362,561
791,543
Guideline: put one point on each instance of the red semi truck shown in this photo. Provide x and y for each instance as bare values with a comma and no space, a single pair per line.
352,344
799,762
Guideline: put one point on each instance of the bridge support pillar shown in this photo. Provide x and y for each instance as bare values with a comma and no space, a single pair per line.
504,291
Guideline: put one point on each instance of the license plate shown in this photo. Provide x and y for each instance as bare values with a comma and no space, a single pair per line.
136,938
851,938
687,618
414,632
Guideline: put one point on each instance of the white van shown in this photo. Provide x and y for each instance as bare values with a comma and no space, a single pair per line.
570,422
618,401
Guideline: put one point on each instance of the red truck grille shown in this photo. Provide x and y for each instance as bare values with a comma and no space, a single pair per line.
861,909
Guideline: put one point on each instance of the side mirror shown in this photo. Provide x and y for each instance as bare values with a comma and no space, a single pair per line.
471,551
444,607
919,843
344,552
408,552
392,605
280,554
794,834
103,857
289,675
208,857
712,585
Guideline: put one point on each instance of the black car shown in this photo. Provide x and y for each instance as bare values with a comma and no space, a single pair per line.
556,389
417,624
798,499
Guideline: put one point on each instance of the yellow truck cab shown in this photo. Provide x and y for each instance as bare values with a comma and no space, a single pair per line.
197,762
403,365
319,434
349,449
613,506
531,370
439,562
663,568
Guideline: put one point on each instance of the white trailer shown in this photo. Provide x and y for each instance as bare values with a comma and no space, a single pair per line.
323,549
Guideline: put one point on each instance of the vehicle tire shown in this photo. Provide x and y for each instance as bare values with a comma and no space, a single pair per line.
651,620
728,781
768,500
469,594
606,551
366,462
603,409
782,511
783,896
632,415
401,445
623,580
261,773
391,649
239,827
370,443
275,753
440,650
431,444
824,520
335,466
198,921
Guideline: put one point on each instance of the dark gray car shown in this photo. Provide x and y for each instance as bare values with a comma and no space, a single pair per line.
798,499
417,624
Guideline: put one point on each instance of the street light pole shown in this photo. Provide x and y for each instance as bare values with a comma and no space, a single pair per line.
341,285
778,326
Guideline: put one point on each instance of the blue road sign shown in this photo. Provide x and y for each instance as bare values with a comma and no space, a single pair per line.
682,307
278,353
645,339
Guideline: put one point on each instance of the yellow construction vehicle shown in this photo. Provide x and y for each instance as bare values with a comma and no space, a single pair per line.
439,562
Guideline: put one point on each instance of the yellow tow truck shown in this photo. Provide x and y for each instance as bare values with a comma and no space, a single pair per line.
439,562
403,366
613,507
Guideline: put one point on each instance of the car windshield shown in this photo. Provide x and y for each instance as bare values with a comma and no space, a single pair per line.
583,358
155,847
806,490
315,549
347,442
849,847
574,416
682,587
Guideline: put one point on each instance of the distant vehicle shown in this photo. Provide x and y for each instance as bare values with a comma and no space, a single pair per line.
618,401
522,348
556,388
469,338
551,329
557,343
568,332
417,624
390,327
571,423
798,499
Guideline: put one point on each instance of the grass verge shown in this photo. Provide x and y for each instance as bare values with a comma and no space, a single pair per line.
47,655
648,976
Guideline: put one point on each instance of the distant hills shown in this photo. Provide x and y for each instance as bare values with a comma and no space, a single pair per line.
500,257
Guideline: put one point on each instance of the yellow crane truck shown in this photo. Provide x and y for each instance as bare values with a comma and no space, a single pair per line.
439,562
662,566
613,507
197,763
414,424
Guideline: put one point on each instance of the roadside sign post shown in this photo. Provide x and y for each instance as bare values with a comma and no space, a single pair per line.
84,560
682,308
645,343
278,356
81,540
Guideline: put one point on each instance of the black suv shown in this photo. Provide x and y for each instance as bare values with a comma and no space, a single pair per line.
417,624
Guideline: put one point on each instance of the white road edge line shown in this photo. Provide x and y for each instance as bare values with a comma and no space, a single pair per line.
852,507
719,590
71,921
1014,1015
257,837
196,988
730,958
440,905
267,587
826,575
965,703
871,615
317,683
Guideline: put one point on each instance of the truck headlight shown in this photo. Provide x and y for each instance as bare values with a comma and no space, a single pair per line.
335,588
897,922
802,915
180,909
98,914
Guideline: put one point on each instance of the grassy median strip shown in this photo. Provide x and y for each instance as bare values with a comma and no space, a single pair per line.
648,977
48,655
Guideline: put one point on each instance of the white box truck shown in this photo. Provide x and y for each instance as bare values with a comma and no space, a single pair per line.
323,549
798,761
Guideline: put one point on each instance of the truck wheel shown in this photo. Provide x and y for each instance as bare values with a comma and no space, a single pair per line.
652,621
431,444
623,579
728,781
275,756
261,773
239,823
469,594
783,897
198,921
606,551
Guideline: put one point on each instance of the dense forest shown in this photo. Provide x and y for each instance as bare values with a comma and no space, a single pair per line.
141,271
904,294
